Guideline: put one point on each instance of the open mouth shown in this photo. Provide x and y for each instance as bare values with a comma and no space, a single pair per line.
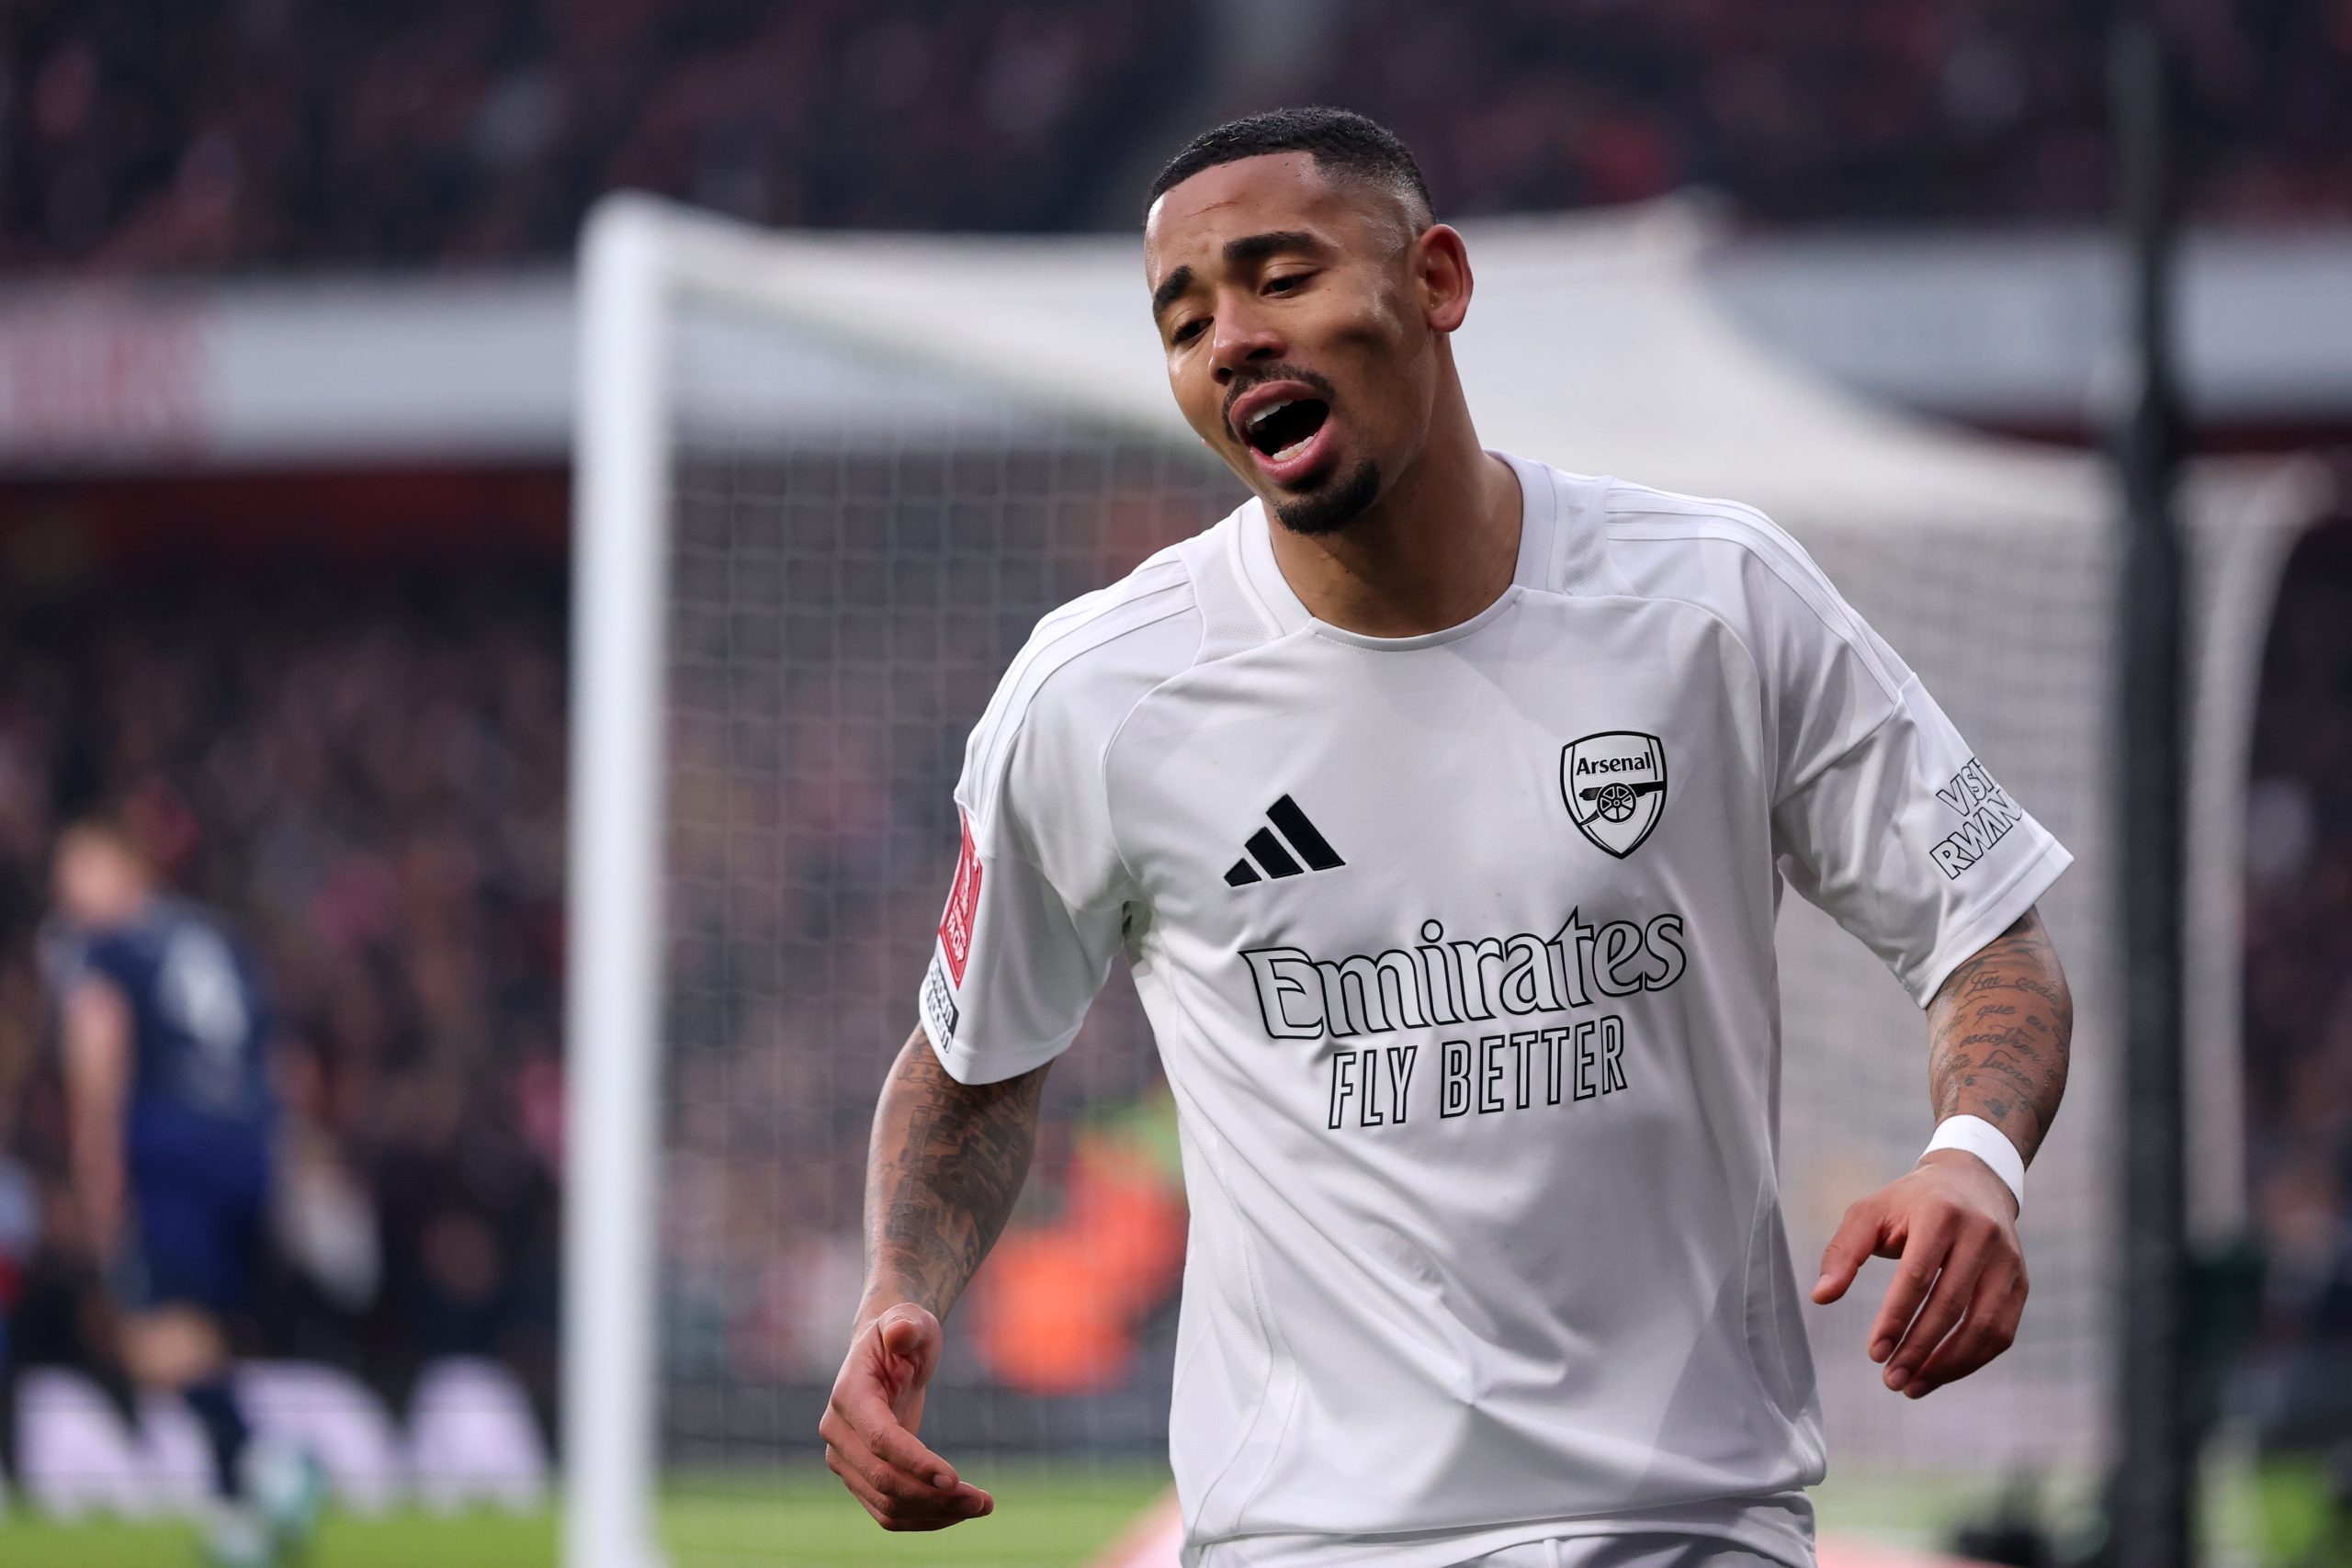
1283,428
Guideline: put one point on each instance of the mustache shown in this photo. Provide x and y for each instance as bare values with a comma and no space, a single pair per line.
1259,375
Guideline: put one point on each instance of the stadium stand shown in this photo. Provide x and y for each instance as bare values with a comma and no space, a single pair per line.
452,132
1813,110
455,133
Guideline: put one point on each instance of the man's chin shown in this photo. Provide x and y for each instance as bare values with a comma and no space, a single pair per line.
1331,503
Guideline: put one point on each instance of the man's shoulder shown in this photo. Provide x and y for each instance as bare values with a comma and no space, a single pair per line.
125,958
1096,642
1619,537
1658,534
1087,664
130,951
1732,560
174,916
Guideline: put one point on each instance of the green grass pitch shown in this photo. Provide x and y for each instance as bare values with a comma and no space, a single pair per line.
1047,1517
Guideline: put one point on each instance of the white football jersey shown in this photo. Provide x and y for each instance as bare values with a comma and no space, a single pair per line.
1458,948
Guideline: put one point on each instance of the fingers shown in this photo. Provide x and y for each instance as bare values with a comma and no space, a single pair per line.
900,1482
860,1410
1956,1279
900,1502
1925,1241
1959,1284
1990,1328
1859,1237
868,1424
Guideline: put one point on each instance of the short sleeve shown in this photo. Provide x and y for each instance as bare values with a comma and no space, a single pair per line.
1036,909
1014,968
1886,819
68,958
1882,814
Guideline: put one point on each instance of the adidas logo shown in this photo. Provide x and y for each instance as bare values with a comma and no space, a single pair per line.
1279,854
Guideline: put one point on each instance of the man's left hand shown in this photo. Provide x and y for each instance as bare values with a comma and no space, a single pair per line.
1952,1223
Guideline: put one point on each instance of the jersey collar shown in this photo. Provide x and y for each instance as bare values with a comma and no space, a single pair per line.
1548,558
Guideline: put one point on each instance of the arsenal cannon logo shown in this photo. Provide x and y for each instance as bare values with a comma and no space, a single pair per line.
1614,783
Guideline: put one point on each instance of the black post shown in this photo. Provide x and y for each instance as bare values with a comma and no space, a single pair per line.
2151,1492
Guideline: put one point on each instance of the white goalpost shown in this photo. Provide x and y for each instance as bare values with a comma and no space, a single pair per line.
637,258
823,484
620,473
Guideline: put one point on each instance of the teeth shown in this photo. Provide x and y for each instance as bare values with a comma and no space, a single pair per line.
1267,412
1293,450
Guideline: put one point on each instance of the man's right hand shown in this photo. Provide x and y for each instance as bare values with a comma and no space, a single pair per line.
870,1423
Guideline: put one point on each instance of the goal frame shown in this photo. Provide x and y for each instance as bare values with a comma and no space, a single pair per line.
638,257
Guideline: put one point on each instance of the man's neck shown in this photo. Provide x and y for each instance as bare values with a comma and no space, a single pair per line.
1440,545
121,914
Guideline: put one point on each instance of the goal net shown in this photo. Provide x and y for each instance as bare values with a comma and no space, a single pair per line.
805,554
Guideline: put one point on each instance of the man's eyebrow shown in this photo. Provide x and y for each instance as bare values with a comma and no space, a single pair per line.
1243,252
1171,289
1258,247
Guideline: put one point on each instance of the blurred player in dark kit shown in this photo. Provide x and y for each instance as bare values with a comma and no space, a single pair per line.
166,1031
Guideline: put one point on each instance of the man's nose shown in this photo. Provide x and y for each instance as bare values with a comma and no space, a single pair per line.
1240,342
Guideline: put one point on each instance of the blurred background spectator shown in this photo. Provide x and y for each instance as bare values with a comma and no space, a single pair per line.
361,759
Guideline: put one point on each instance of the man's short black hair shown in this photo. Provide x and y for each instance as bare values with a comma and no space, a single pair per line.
1340,140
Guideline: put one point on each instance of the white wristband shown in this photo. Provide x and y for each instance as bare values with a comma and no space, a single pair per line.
1988,1143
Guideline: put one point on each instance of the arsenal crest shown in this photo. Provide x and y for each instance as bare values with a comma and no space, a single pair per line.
1614,783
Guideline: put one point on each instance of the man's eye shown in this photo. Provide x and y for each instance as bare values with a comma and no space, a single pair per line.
1287,283
1187,331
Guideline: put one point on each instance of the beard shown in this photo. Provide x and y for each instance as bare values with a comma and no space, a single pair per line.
1333,504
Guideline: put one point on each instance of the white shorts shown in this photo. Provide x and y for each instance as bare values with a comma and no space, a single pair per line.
1649,1550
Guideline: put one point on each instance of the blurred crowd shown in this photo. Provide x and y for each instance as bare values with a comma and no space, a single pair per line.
2298,1002
236,133
363,768
212,133
1824,109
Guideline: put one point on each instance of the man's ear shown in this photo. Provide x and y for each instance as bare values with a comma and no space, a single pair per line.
1440,267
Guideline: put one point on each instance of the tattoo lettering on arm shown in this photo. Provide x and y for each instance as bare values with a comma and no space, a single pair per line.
1999,1029
947,1161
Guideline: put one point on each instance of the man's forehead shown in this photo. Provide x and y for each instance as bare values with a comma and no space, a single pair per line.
1273,191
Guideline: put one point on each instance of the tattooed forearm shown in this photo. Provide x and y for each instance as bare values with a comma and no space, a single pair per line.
1998,1033
947,1161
